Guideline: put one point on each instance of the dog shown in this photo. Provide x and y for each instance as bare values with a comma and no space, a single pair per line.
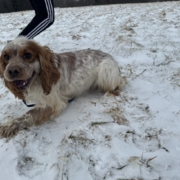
36,74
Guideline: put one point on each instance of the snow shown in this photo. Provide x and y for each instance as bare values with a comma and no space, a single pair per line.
135,135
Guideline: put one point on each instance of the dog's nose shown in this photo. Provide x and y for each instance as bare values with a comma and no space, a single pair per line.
14,71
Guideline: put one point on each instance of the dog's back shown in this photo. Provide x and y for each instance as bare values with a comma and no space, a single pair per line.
83,69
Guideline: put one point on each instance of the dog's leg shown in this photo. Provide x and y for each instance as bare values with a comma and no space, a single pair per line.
115,92
35,116
109,77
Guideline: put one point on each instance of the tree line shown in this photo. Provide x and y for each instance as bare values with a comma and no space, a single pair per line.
21,5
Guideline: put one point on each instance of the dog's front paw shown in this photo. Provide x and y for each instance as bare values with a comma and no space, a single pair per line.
8,131
115,92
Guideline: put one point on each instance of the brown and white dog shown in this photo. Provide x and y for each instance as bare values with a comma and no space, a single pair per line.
36,74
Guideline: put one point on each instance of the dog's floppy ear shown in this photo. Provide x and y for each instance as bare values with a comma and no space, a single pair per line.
49,74
1,66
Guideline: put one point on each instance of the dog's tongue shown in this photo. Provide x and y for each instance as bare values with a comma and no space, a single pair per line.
20,83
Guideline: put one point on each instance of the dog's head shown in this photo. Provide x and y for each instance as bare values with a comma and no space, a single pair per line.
22,61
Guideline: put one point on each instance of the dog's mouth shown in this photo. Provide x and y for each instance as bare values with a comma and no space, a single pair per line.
23,84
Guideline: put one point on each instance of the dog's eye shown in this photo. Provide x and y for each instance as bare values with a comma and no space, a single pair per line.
27,55
6,57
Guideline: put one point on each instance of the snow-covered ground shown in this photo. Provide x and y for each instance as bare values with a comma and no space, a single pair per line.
135,135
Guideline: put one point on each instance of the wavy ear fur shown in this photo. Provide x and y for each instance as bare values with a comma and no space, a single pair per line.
49,74
17,92
1,67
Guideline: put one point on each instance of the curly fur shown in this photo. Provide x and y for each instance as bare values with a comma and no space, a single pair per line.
52,79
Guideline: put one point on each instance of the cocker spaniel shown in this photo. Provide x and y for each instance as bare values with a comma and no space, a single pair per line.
36,74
